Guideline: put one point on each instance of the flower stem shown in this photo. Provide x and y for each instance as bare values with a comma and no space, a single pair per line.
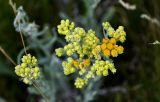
13,5
35,84
22,40
7,56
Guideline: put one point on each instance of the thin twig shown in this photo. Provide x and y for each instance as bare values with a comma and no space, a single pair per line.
35,84
13,5
127,5
152,20
155,43
7,56
22,40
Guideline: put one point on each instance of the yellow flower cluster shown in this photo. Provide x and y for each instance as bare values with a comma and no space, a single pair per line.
119,34
59,52
86,51
28,69
68,66
101,67
79,83
71,48
71,65
90,41
65,27
110,48
75,35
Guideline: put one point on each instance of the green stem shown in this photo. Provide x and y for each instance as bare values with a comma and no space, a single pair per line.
35,84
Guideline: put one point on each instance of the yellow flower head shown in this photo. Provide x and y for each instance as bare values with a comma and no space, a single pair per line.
96,52
105,40
120,49
106,25
59,52
114,53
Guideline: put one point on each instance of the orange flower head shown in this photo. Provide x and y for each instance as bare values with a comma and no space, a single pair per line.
106,52
109,46
103,46
86,62
105,40
112,40
75,62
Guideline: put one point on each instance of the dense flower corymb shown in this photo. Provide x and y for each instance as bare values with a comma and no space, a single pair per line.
88,55
28,69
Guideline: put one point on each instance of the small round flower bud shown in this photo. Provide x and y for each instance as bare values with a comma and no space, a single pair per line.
114,53
106,53
26,81
103,46
59,52
120,49
109,46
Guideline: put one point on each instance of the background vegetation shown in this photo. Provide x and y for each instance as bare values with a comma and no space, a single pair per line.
138,75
